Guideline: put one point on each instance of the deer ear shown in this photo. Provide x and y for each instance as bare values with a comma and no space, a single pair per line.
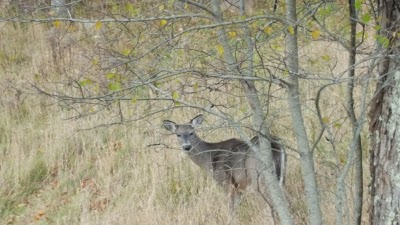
169,125
195,122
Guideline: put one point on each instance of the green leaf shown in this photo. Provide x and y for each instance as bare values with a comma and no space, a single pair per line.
134,99
195,87
326,57
366,18
85,82
114,86
110,76
359,35
325,11
175,95
131,10
268,30
325,120
358,4
337,125
383,41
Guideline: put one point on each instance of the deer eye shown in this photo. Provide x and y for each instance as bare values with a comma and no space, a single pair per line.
191,133
178,135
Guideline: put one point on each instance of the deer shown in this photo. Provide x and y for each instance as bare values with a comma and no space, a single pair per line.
231,163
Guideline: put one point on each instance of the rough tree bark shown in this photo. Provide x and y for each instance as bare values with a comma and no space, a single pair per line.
385,120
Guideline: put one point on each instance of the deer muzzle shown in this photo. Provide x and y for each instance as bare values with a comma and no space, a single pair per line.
186,146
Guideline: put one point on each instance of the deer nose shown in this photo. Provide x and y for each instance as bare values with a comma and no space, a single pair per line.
187,146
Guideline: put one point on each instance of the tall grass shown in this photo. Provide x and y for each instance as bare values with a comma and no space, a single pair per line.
53,172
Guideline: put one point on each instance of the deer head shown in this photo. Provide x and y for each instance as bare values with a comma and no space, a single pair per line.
185,132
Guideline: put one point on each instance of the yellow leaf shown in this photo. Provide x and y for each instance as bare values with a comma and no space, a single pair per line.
195,87
110,75
161,7
36,76
325,119
126,52
315,34
337,125
163,23
285,73
291,30
175,95
326,57
268,30
57,23
98,25
232,33
185,6
134,100
95,61
220,50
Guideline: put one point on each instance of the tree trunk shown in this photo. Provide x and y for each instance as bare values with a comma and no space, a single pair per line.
306,156
385,120
279,201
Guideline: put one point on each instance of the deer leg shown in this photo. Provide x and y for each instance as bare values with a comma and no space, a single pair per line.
234,198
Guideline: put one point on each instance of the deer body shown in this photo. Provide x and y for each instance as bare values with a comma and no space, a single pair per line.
231,163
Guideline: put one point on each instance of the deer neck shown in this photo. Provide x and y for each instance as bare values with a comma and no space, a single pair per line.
202,153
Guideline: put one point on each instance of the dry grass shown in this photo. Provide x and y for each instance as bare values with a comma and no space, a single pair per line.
50,173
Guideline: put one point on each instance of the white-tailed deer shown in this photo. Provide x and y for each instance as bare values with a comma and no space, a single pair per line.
232,163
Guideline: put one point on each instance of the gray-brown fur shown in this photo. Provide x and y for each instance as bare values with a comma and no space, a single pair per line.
232,163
